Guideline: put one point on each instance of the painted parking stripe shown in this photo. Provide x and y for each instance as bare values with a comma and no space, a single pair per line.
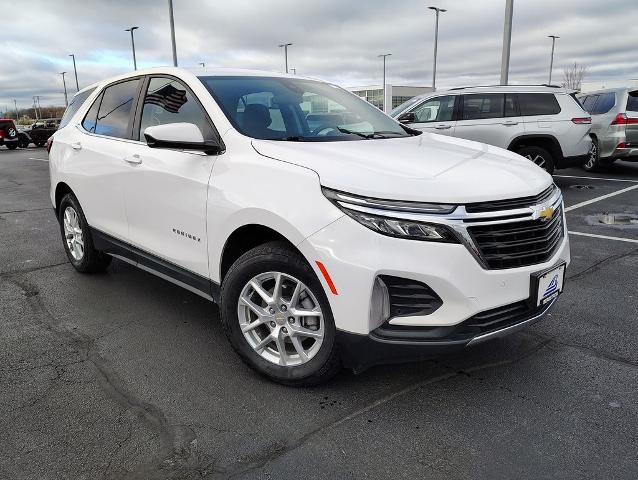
605,237
602,197
598,178
39,159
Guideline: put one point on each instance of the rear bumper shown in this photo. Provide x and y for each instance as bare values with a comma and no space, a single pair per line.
390,345
629,154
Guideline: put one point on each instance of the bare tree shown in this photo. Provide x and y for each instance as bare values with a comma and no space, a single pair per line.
573,76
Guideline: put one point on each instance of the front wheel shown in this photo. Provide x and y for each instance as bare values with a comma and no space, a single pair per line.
277,316
539,156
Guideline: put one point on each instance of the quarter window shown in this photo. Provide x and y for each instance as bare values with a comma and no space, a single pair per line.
439,109
532,104
606,102
110,114
632,101
589,102
169,101
478,107
74,106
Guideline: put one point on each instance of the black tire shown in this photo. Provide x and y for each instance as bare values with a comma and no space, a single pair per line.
278,257
12,145
92,260
23,142
539,156
594,162
39,144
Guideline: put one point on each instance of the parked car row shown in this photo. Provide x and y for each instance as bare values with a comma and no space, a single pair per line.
547,125
14,136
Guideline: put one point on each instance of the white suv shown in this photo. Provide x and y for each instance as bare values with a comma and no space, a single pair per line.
356,242
545,124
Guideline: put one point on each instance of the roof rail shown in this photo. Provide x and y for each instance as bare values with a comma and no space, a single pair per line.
514,86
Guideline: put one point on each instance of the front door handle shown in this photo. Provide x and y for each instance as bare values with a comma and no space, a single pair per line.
510,123
443,127
76,146
133,159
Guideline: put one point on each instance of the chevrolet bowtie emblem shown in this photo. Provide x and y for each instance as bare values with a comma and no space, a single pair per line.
546,213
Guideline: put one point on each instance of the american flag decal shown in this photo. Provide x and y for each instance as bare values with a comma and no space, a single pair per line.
168,97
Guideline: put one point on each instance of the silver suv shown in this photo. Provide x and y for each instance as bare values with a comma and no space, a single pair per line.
614,130
545,124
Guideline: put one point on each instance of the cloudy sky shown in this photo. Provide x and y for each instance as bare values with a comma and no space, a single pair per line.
338,40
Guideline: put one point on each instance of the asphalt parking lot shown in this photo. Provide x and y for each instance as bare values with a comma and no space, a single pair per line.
124,375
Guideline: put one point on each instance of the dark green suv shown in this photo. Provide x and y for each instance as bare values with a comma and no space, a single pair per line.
43,129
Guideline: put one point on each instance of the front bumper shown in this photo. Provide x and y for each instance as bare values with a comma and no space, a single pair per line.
388,345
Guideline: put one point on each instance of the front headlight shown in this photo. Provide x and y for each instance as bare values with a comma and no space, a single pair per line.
390,225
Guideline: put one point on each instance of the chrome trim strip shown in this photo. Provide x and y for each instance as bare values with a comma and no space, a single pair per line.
512,328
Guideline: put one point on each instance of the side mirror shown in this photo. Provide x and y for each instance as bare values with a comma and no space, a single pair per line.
180,136
408,117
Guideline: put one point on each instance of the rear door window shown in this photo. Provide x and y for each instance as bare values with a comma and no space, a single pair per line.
113,108
533,104
632,102
74,106
483,106
606,102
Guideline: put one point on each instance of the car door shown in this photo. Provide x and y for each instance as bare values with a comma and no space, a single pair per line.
167,189
491,118
435,115
96,163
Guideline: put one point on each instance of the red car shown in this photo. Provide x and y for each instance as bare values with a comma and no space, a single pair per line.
8,133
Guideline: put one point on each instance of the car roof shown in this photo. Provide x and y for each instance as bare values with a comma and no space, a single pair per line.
500,89
609,90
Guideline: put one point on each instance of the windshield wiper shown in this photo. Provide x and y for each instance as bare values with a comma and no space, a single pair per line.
386,134
292,138
367,136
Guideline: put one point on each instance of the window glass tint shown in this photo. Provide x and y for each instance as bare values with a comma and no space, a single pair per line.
89,121
510,106
589,102
298,110
538,104
476,107
169,101
115,109
74,106
606,102
439,109
632,101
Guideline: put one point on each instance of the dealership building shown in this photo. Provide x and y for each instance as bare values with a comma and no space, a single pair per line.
395,94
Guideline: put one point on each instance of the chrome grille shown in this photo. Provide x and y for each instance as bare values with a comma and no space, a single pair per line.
510,204
518,244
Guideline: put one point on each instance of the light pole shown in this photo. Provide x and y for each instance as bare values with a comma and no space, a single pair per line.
293,70
507,42
172,21
286,45
132,29
436,42
15,104
202,64
551,62
35,108
77,85
384,56
66,99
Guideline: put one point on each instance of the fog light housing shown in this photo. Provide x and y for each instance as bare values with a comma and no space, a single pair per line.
379,303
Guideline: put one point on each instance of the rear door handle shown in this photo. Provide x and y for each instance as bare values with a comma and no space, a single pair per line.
510,124
442,127
133,159
76,146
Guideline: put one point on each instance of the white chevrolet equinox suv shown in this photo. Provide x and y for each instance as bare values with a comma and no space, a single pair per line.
355,242
545,124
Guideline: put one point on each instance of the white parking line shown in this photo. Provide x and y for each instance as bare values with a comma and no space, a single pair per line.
602,197
598,178
593,235
39,159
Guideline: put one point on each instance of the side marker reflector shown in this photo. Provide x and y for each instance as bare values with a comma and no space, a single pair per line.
326,276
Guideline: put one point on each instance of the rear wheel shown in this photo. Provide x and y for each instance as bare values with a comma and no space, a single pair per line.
539,156
12,145
76,236
277,317
593,159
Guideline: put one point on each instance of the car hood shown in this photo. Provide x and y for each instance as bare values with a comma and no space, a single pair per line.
426,168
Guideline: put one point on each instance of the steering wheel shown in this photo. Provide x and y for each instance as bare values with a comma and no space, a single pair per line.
324,126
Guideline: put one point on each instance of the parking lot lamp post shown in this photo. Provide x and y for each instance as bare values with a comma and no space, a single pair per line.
384,56
75,70
132,29
172,22
285,46
551,62
507,42
15,104
293,70
436,42
66,98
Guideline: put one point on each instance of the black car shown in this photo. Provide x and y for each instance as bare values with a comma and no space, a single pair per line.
43,129
8,133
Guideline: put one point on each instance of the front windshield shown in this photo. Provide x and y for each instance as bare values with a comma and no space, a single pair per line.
276,108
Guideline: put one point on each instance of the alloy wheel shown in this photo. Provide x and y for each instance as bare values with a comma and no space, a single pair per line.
593,156
537,159
281,319
73,234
